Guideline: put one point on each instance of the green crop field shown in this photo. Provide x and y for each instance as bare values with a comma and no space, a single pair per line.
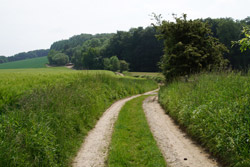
28,63
45,113
215,110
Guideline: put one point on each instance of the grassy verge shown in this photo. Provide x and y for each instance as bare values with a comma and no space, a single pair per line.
132,142
45,126
214,109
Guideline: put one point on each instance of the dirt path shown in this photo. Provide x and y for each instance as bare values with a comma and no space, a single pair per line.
177,149
94,150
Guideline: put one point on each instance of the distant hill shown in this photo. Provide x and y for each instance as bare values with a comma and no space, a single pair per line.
25,55
38,62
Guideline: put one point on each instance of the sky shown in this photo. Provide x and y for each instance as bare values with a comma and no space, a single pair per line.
27,25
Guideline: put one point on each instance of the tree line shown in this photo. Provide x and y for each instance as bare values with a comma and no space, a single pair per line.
192,46
25,55
140,48
228,30
137,50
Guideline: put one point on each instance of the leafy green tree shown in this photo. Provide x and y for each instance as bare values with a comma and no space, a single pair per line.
124,66
60,59
92,59
115,63
188,47
244,42
57,58
106,64
228,30
77,58
139,47
51,54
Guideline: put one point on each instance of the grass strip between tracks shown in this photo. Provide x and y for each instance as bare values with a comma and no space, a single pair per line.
132,141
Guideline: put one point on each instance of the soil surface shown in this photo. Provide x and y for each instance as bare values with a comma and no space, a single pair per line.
94,150
177,149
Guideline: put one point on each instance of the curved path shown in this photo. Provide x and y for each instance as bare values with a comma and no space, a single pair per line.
177,149
94,150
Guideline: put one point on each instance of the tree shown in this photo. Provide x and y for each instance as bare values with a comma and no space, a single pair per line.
244,42
57,58
115,63
139,47
77,58
92,59
124,66
228,30
60,59
188,47
106,64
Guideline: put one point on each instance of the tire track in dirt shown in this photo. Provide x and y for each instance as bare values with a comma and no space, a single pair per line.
177,149
94,150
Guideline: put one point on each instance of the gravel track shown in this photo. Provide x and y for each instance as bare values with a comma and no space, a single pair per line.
94,150
177,149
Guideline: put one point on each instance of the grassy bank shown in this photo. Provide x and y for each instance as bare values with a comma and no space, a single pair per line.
132,142
214,109
45,125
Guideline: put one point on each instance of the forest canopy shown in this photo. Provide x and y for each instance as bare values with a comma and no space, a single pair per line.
140,48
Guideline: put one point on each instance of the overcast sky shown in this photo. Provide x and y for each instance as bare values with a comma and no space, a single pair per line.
35,24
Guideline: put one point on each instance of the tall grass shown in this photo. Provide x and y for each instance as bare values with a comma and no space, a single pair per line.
215,110
16,82
46,126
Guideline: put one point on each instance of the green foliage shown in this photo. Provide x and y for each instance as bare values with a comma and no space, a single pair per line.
115,63
244,42
227,30
92,59
106,64
124,66
132,142
189,48
60,59
139,47
214,109
57,58
28,63
3,59
76,46
45,124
